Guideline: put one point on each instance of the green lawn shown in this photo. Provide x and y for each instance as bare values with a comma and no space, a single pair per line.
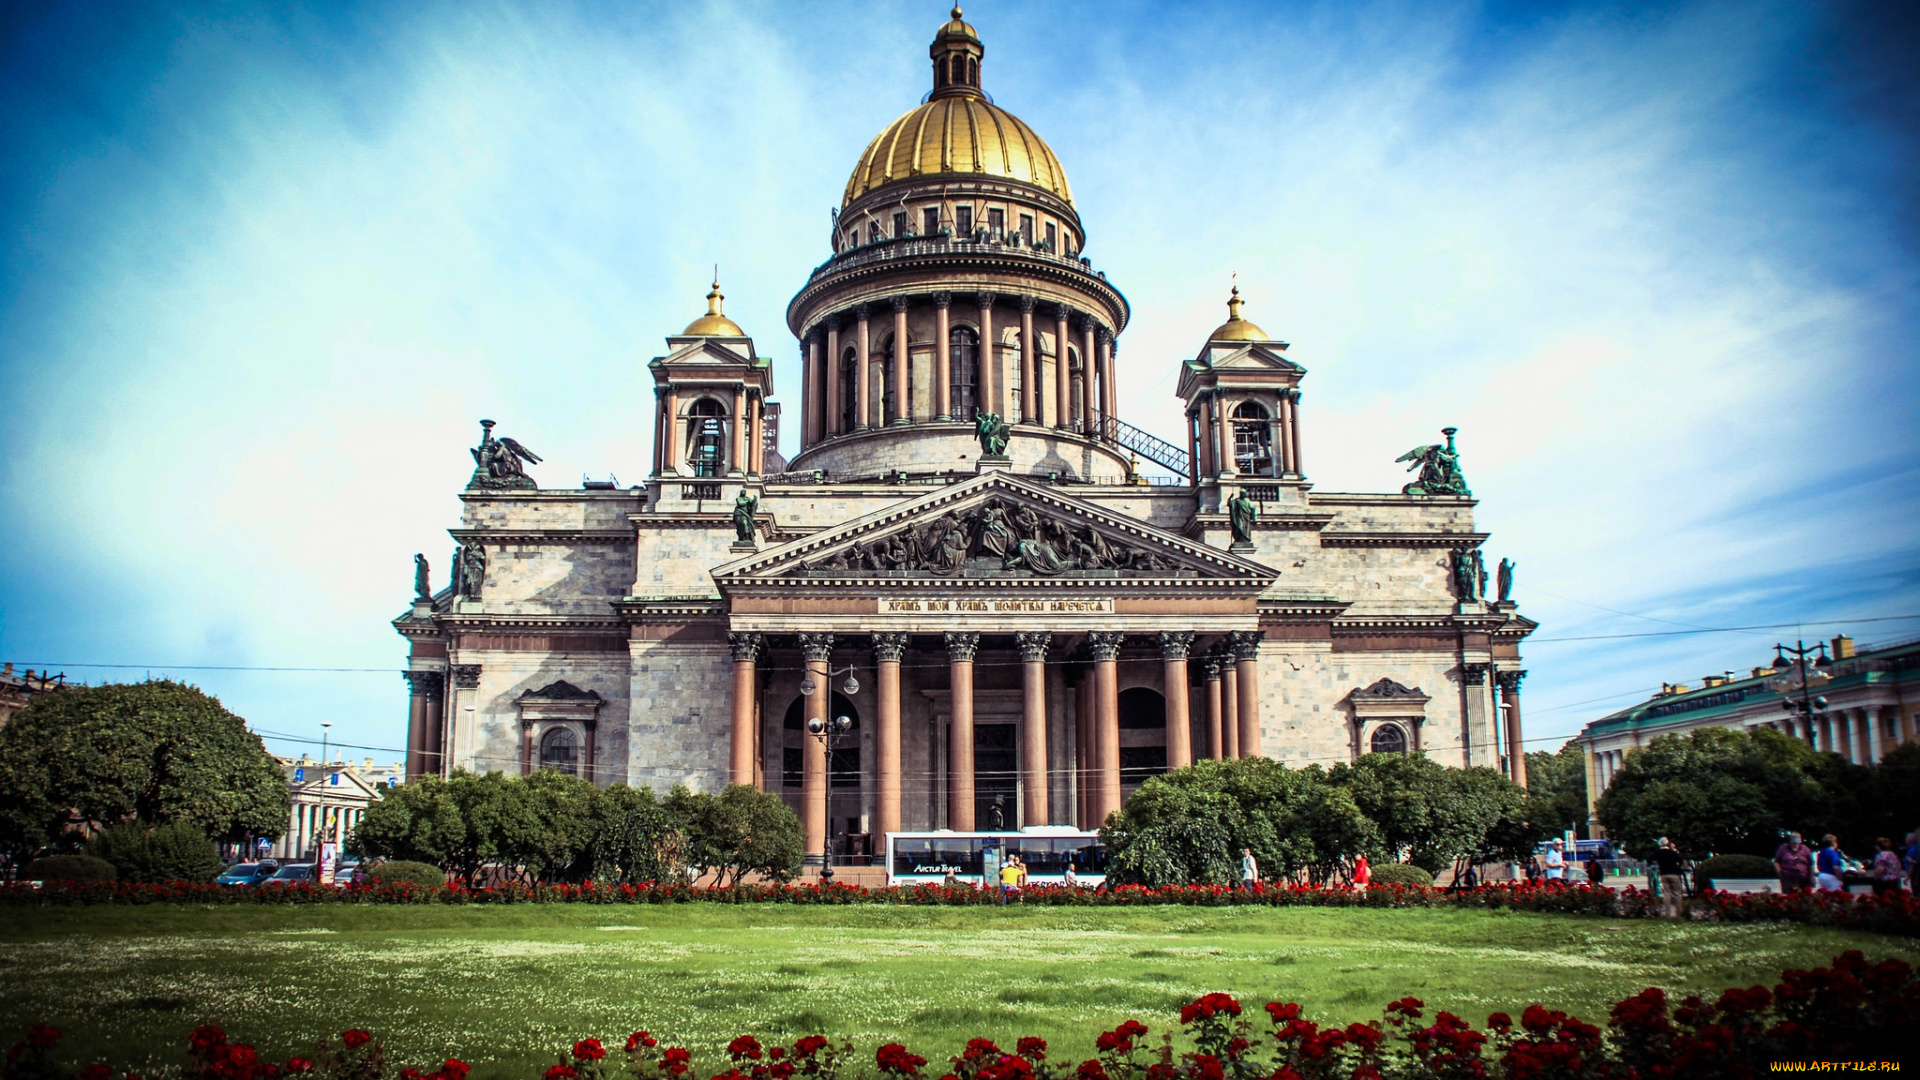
508,987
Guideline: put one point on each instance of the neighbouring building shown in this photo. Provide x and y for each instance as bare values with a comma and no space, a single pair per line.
329,799
18,689
963,558
1858,703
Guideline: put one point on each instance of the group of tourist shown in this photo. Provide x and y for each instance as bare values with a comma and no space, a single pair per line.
1803,868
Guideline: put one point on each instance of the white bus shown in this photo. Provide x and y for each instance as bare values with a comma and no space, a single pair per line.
915,857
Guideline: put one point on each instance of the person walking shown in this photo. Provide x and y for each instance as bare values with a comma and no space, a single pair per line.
1362,873
1830,865
1886,869
1554,860
1249,869
1672,866
1793,861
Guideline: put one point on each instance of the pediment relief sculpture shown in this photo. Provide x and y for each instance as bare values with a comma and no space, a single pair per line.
996,535
562,690
1387,689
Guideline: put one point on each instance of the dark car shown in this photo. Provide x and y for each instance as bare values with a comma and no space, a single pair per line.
247,873
293,874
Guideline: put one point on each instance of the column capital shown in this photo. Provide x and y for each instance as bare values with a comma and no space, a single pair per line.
900,303
1033,645
986,300
1246,644
1063,312
422,683
962,646
817,647
1105,644
1083,322
466,676
860,311
746,646
1105,336
943,299
1509,681
1028,303
1474,674
889,648
1175,644
833,323
1213,663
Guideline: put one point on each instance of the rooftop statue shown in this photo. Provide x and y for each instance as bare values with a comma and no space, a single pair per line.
1469,576
1505,580
743,509
1242,512
497,462
1439,469
992,433
473,569
421,590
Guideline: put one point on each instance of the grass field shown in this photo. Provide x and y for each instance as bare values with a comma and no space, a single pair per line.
508,987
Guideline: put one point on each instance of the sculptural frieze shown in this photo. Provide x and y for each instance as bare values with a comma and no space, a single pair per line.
994,536
1439,467
501,463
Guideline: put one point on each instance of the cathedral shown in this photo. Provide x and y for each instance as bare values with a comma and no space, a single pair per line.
962,604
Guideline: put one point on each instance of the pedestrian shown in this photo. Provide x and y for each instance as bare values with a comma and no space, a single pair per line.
1554,860
1886,869
1794,862
1672,865
1596,870
1249,870
1830,865
952,880
1009,879
1070,879
1362,873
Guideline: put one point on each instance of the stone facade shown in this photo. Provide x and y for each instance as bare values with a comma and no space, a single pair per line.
1029,633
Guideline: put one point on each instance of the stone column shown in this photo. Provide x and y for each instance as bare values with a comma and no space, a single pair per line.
942,358
984,386
1062,372
673,429
1029,365
1193,450
960,650
887,651
1246,657
737,460
416,723
526,748
659,430
902,388
434,762
1229,708
811,411
1285,449
863,378
818,651
1083,750
1173,656
830,421
1087,384
1033,728
1293,430
1216,740
586,765
746,655
1109,394
1516,745
1105,647
1477,729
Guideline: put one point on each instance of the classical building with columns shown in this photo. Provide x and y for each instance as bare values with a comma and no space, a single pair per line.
1858,703
963,558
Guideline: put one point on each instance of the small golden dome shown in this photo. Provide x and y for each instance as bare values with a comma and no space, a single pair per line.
713,324
958,136
956,28
1237,328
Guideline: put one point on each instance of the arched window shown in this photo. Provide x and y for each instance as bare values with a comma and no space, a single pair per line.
1252,439
963,370
939,74
1388,739
849,400
1077,390
559,750
707,428
959,68
973,72
886,383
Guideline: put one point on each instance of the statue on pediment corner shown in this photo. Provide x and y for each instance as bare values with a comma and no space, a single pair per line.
1242,513
744,507
1439,468
421,589
473,569
498,463
993,433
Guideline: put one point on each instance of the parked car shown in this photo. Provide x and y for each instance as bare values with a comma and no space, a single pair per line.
293,874
247,873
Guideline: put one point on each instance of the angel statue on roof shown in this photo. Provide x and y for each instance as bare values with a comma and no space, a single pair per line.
1439,469
497,462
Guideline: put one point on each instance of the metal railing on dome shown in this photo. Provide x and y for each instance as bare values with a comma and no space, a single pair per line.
887,249
1152,447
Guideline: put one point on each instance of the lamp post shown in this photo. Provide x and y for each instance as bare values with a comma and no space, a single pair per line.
320,845
1803,674
827,731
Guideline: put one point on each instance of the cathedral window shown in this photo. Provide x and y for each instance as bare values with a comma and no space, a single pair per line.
900,226
708,454
973,72
1053,237
886,383
849,401
559,750
1026,229
930,218
1252,439
964,215
959,68
1388,739
996,223
963,365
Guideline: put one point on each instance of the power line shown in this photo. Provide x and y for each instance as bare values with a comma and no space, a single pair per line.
1724,629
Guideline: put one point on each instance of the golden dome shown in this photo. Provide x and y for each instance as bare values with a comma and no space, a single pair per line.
713,324
956,28
959,135
1237,328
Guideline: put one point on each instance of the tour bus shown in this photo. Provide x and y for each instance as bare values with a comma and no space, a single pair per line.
973,857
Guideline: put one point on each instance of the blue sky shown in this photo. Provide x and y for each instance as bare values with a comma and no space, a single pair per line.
264,266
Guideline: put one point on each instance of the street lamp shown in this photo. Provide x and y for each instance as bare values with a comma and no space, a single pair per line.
827,731
320,845
1802,674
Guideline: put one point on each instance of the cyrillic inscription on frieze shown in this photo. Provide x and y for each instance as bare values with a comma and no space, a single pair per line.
1024,605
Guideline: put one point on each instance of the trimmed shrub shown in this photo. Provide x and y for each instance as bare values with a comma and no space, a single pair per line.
177,852
1732,866
413,873
1400,874
69,868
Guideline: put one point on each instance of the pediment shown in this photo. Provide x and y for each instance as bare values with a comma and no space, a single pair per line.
997,527
1254,356
561,690
708,352
1386,690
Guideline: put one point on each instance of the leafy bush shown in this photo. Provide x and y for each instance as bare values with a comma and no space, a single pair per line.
1401,874
177,852
405,870
1733,866
69,868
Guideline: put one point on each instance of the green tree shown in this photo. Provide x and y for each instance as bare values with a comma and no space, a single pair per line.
634,839
417,821
1557,788
138,852
158,752
552,837
1190,825
1717,791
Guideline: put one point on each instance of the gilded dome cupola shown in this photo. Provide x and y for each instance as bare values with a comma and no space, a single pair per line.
956,53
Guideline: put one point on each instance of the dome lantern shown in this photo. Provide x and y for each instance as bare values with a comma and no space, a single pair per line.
1236,328
713,323
956,53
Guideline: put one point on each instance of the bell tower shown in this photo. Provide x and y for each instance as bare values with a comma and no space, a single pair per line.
712,392
1242,396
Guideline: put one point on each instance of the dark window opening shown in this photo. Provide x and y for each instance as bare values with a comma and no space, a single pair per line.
1026,229
1142,709
996,222
1138,764
964,217
1053,236
708,455
1252,439
899,226
560,751
886,382
973,72
931,219
959,68
996,777
793,766
849,403
1389,739
963,364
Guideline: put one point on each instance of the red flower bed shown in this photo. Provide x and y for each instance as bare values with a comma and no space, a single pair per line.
1852,1010
1897,913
